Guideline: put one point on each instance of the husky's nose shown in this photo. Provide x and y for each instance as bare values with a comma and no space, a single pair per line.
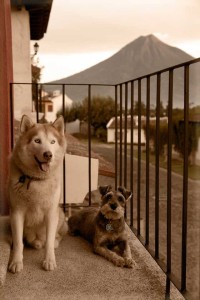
47,155
113,206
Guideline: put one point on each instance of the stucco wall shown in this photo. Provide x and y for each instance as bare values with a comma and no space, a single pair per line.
21,60
198,154
77,180
73,127
57,106
111,136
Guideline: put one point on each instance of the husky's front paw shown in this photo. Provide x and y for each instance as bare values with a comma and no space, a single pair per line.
15,266
49,264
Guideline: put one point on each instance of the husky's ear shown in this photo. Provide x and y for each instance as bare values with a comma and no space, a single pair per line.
59,124
105,189
26,124
127,194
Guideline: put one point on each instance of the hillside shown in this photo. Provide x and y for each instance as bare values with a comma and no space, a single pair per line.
144,55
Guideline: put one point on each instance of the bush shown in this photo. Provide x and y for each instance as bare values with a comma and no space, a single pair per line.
101,134
163,135
178,137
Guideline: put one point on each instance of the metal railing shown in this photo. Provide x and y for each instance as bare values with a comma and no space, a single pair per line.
135,170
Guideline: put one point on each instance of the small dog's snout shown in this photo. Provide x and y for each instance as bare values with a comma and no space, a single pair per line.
47,155
113,206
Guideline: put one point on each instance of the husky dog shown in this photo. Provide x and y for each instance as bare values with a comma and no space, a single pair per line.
105,226
35,190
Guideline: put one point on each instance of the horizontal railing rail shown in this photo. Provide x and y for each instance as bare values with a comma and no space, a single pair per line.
130,161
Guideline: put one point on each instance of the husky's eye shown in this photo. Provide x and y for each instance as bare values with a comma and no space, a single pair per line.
38,141
53,142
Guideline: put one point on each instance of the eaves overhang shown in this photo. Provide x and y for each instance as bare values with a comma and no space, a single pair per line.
39,11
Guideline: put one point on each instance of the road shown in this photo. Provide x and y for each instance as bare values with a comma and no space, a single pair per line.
193,234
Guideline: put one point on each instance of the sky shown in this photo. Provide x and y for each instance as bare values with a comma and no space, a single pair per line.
82,33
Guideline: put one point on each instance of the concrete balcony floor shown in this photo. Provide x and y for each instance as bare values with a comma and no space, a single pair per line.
81,274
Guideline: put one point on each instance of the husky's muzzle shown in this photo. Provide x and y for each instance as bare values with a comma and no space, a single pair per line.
44,165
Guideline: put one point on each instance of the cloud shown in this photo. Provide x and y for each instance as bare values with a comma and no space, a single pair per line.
162,36
191,47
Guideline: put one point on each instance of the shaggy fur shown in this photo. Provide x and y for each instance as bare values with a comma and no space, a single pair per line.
35,190
105,227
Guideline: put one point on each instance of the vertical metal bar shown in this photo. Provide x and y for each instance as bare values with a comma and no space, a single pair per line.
37,104
120,152
125,135
169,174
157,166
116,137
12,116
125,139
185,178
89,141
63,100
64,170
132,153
32,98
40,98
139,157
147,160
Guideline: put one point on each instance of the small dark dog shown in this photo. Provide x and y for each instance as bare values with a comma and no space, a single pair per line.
105,226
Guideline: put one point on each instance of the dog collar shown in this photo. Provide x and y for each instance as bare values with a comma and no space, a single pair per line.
23,178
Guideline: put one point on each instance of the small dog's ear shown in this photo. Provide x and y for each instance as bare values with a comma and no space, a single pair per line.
26,124
105,189
58,124
127,194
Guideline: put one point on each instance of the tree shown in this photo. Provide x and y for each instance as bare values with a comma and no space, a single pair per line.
163,111
73,113
179,137
36,75
136,109
102,110
163,135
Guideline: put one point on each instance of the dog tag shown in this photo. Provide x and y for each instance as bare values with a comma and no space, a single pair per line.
109,227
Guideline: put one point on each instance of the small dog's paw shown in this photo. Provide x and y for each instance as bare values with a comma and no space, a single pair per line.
119,262
15,266
37,244
49,264
129,262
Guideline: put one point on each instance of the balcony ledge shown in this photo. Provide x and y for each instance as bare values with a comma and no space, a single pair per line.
81,274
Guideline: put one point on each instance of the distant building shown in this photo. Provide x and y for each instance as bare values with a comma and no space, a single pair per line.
52,104
111,130
73,127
